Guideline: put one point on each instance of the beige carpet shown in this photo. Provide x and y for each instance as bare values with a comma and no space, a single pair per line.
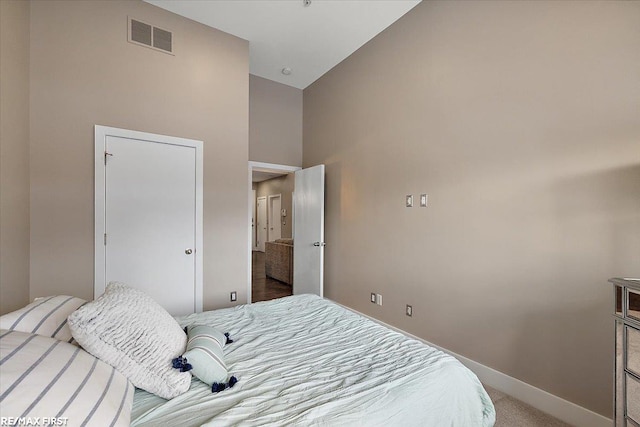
511,412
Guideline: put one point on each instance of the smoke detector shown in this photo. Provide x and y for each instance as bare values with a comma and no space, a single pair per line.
286,71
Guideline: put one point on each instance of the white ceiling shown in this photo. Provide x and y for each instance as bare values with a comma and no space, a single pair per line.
285,33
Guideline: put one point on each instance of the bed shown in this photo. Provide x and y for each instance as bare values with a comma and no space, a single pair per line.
303,360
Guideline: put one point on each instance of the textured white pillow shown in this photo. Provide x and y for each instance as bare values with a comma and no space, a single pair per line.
131,332
44,316
44,377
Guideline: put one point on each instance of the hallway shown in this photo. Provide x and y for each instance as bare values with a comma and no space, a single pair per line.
265,288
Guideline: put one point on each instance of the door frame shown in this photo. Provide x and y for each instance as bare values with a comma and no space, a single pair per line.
100,137
262,167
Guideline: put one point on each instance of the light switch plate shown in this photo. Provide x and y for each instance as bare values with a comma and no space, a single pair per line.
423,200
409,200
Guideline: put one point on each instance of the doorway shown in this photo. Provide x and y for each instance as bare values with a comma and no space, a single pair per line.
301,217
148,216
273,186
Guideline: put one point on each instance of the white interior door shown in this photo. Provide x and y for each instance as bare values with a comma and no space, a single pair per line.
152,226
308,248
253,219
275,223
262,222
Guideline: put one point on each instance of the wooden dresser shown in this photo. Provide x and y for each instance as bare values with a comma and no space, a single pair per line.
627,358
278,260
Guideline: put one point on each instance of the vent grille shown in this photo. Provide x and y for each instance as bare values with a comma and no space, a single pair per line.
147,35
161,39
141,32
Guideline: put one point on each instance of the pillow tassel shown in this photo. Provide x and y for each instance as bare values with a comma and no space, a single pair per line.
229,340
181,363
232,381
216,387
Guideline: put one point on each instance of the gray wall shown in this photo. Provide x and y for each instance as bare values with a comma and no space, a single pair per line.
86,73
275,122
521,121
14,155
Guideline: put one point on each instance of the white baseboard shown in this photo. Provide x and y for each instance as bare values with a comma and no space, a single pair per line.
546,402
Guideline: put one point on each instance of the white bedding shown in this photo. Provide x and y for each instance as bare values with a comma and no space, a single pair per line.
303,360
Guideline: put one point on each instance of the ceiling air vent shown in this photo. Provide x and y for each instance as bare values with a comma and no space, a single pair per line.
147,35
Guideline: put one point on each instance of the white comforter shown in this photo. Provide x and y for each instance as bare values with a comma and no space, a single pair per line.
305,361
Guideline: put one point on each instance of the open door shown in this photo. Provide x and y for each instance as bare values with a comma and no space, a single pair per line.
308,249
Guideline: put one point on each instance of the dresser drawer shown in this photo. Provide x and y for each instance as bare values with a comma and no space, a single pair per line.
633,304
633,349
633,399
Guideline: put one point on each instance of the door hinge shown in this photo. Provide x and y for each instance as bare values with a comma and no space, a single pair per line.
105,239
105,157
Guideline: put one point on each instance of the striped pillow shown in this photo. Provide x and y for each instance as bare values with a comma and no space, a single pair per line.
44,316
204,354
44,377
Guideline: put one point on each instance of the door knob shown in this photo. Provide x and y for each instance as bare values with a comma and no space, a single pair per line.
319,244
188,251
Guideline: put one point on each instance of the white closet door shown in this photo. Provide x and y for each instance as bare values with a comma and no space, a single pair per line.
150,220
262,222
275,220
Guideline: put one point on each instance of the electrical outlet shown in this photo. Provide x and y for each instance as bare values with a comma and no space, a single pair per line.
234,296
409,311
378,299
423,200
373,297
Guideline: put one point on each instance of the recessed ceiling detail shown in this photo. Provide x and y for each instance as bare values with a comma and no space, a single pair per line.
309,39
259,176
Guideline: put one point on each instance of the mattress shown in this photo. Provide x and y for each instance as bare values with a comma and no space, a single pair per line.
303,360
